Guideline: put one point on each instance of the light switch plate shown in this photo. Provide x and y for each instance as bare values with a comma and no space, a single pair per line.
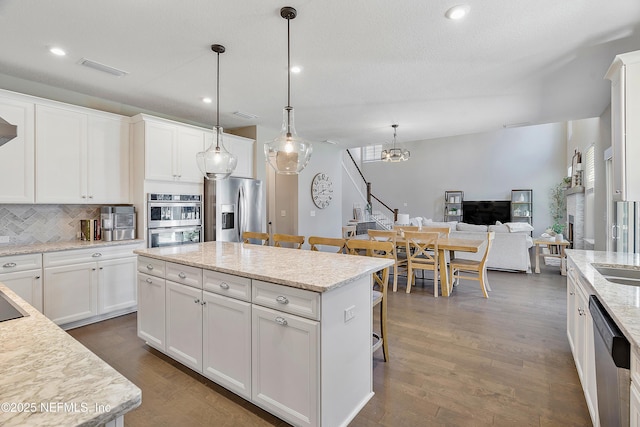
349,313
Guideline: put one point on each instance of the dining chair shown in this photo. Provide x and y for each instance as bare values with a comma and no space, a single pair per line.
316,241
473,270
399,262
400,229
247,236
348,231
422,254
293,241
377,249
442,231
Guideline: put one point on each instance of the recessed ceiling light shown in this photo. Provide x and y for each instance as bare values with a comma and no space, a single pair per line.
457,12
296,69
58,51
207,100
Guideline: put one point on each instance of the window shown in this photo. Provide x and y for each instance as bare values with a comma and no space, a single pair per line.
589,197
372,153
589,169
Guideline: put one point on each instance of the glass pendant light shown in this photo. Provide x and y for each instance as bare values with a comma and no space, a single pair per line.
288,154
216,162
395,154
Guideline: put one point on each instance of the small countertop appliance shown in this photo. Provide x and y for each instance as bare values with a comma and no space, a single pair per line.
118,223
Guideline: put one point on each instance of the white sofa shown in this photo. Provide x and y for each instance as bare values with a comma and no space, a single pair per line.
509,251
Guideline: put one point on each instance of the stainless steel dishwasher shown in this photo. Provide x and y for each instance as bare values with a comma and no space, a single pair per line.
613,358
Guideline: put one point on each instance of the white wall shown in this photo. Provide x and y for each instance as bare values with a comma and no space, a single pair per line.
485,166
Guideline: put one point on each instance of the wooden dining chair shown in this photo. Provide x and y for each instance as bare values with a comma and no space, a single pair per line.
399,262
378,249
348,231
422,254
316,241
442,231
247,236
289,239
400,229
473,270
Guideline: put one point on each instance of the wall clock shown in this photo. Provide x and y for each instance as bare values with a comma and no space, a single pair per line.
321,190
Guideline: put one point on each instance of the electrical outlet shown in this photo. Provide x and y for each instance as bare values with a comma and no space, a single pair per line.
283,213
313,213
405,204
4,239
349,313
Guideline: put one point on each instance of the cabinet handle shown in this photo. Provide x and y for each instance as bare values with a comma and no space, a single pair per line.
197,301
282,300
203,303
93,269
10,265
281,321
149,281
572,293
182,275
223,285
101,268
37,277
580,311
149,267
84,197
91,197
97,255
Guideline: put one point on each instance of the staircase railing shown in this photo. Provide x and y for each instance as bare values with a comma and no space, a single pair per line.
370,195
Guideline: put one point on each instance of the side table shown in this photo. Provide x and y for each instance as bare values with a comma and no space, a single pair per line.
561,246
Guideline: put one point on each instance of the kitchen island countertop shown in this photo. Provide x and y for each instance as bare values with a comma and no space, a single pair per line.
621,301
47,378
311,270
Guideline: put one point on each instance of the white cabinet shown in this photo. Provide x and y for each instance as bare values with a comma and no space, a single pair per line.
81,157
184,324
23,275
80,284
226,342
151,310
580,334
17,157
71,292
634,397
169,149
285,365
241,147
624,74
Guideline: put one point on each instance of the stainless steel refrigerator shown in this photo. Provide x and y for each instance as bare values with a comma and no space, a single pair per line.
231,207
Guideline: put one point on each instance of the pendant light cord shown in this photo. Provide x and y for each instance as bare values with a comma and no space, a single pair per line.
288,77
218,104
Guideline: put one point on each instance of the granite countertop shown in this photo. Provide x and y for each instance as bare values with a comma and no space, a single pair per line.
621,301
298,268
60,246
47,378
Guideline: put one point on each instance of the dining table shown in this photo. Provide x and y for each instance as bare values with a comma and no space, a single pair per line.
445,244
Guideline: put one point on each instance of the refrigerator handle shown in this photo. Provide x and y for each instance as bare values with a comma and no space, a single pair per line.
240,213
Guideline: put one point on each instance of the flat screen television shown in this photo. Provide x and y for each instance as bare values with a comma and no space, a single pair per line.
486,212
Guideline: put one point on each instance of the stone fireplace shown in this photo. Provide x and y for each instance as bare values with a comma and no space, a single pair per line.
575,217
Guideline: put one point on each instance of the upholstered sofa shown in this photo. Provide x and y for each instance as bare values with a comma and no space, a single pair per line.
510,248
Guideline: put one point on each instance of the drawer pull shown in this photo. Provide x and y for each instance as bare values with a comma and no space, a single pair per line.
281,321
224,285
182,275
149,281
282,300
203,303
197,301
10,265
37,277
149,267
97,255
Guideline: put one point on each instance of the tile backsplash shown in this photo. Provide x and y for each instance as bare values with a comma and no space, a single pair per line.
28,224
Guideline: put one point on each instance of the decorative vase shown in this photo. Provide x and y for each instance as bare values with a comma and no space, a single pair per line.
559,237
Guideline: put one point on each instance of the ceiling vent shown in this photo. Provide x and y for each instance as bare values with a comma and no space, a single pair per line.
101,67
247,116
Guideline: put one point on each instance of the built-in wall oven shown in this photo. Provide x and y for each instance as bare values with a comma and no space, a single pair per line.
173,219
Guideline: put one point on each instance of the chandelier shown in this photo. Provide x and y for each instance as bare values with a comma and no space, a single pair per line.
395,154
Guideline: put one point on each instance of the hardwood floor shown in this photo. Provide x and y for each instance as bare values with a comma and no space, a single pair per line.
458,361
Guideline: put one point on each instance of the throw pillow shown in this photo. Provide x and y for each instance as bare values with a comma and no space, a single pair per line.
499,228
462,226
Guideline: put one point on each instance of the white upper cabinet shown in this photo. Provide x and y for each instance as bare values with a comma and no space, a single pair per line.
81,157
624,74
17,155
241,147
170,150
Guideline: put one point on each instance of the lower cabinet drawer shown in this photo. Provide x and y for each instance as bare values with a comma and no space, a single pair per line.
13,263
184,274
227,284
151,266
290,300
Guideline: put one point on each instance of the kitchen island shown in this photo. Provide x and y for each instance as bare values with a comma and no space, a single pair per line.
289,330
47,378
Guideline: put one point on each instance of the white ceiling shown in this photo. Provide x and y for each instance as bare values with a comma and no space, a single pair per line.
366,63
